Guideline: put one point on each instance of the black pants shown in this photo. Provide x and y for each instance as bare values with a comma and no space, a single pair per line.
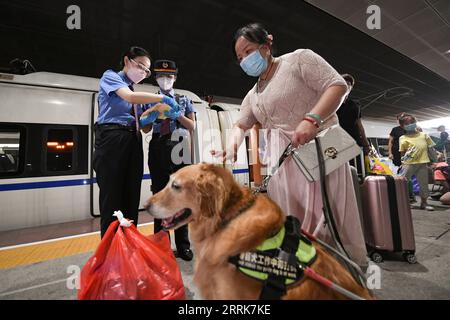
161,167
118,163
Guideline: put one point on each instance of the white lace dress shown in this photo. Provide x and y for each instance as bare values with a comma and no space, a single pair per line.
298,83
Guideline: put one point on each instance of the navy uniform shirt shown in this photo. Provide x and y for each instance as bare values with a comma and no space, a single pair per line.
186,108
111,107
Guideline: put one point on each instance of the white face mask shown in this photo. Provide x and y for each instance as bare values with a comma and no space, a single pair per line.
165,83
135,75
137,72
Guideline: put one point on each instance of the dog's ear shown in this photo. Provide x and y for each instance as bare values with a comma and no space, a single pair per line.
211,188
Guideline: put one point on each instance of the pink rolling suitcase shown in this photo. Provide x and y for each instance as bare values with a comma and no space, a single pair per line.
387,219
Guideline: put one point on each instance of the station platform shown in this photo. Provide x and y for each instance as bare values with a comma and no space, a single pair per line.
34,262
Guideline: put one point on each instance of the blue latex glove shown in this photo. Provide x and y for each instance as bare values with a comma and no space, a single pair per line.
172,114
171,102
150,118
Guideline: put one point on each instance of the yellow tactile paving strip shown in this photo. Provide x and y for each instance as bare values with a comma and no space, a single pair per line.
14,257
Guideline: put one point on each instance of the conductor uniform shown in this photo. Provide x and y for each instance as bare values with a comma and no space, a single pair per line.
118,157
160,159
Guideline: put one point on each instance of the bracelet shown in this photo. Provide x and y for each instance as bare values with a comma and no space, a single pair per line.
316,117
313,121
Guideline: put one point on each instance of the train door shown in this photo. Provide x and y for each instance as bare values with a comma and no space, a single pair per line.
240,168
207,135
94,190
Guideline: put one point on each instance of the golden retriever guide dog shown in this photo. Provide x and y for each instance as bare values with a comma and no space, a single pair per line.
222,224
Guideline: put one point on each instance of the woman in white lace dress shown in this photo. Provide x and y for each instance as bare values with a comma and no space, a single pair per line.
296,94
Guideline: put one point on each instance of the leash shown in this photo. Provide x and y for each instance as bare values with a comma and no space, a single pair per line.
310,273
354,269
286,153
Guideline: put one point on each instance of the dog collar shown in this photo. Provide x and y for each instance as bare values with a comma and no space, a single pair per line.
244,208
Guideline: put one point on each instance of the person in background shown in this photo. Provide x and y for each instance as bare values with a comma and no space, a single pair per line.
441,129
296,95
350,116
414,150
442,173
443,144
161,161
118,155
393,146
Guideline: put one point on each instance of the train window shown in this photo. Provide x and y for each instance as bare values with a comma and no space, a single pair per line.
60,146
9,151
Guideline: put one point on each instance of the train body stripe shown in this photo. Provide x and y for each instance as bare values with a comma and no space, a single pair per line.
44,184
69,183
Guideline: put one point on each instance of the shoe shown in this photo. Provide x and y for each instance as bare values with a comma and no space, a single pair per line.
428,208
185,254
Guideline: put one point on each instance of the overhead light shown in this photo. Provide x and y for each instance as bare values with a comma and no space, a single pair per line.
447,52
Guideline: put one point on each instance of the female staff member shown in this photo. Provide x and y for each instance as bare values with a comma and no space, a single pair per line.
118,156
163,160
294,92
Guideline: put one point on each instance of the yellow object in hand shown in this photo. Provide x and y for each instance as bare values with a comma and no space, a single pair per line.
161,108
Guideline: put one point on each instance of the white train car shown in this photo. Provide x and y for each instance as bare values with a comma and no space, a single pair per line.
46,147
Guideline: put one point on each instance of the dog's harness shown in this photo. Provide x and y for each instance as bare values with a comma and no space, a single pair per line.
279,261
340,252
283,260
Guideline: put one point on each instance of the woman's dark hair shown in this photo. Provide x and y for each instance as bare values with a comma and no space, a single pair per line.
400,115
253,32
134,52
406,117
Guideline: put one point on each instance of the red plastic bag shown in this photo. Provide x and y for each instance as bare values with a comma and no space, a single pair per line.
130,266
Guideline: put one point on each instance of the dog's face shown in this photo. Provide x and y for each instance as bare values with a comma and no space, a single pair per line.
193,192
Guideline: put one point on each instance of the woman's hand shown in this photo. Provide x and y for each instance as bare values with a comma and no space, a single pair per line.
148,118
304,133
147,112
171,102
225,155
172,114
234,140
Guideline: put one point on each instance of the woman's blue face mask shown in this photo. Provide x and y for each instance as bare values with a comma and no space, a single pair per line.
411,127
254,64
